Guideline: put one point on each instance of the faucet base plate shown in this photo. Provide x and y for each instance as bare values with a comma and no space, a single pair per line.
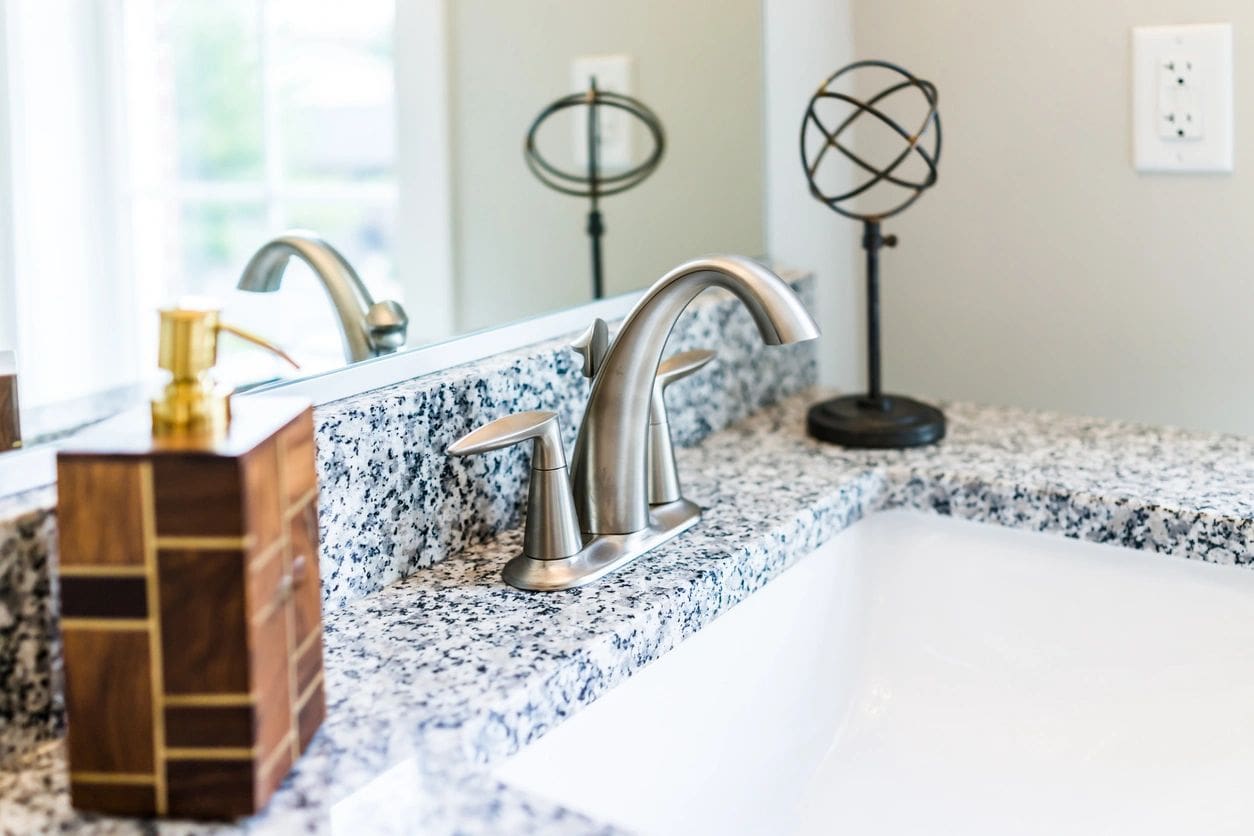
602,554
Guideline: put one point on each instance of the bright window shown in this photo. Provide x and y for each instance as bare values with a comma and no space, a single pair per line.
149,147
251,115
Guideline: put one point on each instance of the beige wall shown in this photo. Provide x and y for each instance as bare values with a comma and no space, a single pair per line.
1043,270
509,59
806,40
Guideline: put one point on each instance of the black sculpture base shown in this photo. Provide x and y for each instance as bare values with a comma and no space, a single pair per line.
888,422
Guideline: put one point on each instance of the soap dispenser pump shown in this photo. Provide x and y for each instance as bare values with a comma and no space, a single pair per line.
190,602
193,402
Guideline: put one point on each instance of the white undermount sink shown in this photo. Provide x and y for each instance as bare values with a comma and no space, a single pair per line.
923,675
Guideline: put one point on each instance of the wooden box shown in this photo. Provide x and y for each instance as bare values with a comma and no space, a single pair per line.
10,417
190,613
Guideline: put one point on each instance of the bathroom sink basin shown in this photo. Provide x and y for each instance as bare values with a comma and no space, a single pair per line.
920,674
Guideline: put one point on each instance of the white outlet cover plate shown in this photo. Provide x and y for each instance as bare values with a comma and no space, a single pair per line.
613,74
1209,47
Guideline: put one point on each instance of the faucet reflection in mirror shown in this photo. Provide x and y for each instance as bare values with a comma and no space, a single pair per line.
368,328
609,484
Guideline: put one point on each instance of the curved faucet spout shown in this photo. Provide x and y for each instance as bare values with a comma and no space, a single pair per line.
367,328
610,476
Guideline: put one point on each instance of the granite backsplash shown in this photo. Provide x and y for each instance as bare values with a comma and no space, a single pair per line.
391,502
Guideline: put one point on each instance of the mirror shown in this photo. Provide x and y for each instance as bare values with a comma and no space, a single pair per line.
149,148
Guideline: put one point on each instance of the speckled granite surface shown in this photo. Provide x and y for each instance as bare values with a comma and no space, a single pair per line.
439,675
391,501
29,656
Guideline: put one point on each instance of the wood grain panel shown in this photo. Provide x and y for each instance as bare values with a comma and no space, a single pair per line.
265,574
273,770
104,597
198,496
99,511
263,511
119,799
108,683
306,586
210,789
272,678
311,716
308,661
214,725
10,416
296,443
204,639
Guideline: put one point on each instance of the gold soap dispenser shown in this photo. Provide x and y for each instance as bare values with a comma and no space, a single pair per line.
190,595
193,402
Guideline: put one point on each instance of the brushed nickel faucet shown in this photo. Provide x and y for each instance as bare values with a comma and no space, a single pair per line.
619,510
663,474
367,328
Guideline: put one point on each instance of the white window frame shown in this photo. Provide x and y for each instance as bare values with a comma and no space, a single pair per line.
64,301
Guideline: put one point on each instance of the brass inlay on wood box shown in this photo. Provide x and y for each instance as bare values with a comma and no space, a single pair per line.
190,613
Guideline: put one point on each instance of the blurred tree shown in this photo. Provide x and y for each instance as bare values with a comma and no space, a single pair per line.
218,89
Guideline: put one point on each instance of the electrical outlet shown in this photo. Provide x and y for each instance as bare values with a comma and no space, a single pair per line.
1179,100
613,75
1182,97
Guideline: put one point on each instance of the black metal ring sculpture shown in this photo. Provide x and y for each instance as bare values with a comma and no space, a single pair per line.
592,183
875,419
832,140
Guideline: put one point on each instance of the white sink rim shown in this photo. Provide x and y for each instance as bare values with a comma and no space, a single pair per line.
1088,626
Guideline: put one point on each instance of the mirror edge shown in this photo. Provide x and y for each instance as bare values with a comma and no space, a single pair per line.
35,467
378,372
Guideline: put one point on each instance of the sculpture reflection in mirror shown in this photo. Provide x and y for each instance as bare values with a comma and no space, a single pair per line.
594,183
367,328
876,419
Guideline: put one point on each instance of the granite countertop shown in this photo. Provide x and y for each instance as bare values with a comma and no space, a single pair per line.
438,676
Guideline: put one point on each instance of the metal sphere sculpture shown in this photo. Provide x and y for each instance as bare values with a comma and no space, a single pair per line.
873,420
928,129
592,182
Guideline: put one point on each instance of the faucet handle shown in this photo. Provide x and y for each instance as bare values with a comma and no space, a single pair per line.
552,526
547,452
663,476
673,368
592,345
